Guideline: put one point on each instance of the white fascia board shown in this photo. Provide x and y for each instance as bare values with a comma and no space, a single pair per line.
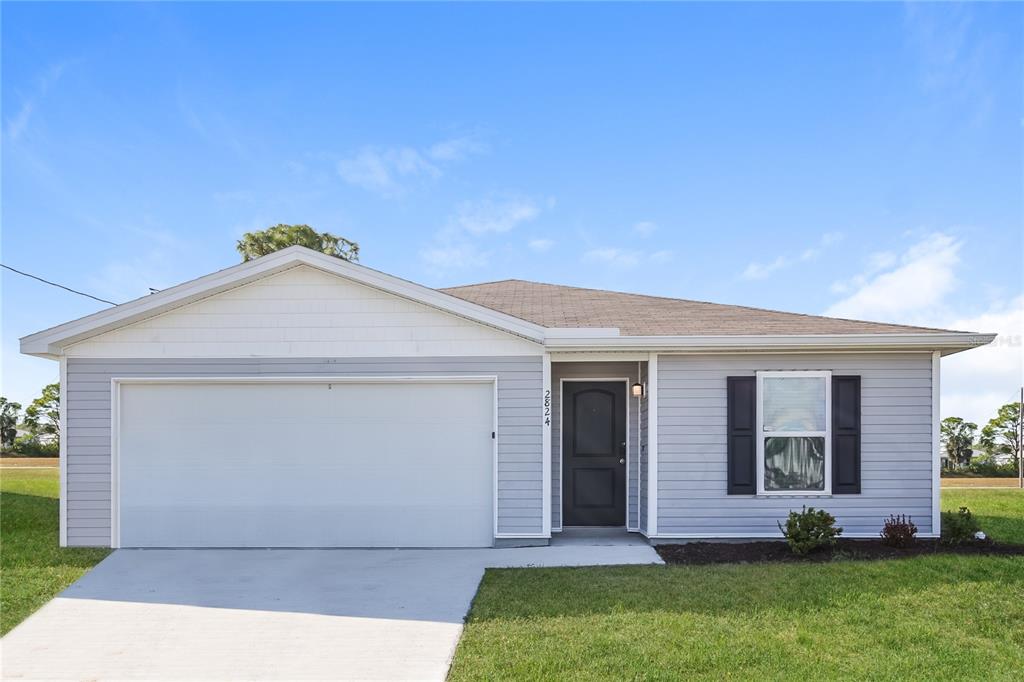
945,342
50,342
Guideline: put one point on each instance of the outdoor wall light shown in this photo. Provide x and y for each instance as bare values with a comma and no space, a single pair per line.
637,390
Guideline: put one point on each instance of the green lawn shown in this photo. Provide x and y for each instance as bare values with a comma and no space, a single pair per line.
33,569
937,617
1000,512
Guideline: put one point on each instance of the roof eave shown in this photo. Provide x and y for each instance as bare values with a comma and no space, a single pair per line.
946,343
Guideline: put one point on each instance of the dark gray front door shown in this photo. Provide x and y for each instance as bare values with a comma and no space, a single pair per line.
594,453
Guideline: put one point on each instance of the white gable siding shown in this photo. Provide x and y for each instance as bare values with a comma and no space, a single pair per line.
303,312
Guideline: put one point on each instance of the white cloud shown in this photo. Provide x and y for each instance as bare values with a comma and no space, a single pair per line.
387,170
915,288
17,126
156,264
976,382
663,256
763,270
383,170
619,258
626,259
457,148
757,270
480,217
459,256
645,228
912,291
457,245
878,261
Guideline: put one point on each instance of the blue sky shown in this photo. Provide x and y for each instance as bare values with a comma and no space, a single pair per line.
862,160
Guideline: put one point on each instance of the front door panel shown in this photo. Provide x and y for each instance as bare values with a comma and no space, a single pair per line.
594,453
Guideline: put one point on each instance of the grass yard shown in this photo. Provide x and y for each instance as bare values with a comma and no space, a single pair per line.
33,568
1000,512
937,617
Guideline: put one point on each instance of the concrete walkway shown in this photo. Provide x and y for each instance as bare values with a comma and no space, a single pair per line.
271,614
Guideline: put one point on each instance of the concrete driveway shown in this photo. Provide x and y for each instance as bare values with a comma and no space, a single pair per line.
270,614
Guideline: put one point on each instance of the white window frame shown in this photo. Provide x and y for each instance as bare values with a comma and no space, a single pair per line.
827,433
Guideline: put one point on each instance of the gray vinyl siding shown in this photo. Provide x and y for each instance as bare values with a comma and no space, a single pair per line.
520,475
896,444
587,370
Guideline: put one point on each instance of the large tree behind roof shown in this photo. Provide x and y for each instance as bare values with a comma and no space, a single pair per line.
261,242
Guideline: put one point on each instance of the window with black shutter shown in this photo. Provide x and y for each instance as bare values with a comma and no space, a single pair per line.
793,432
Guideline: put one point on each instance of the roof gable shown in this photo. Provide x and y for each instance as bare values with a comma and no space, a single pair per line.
50,342
302,312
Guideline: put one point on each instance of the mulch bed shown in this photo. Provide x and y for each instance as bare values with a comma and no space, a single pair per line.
704,553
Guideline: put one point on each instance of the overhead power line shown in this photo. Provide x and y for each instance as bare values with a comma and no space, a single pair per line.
59,286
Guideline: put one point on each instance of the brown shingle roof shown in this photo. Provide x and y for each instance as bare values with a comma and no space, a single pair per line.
553,305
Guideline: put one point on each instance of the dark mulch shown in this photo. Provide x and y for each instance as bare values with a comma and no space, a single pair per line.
702,553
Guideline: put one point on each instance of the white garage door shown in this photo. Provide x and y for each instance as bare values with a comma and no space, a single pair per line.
370,464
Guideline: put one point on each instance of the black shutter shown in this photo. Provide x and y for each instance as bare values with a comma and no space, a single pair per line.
845,435
742,448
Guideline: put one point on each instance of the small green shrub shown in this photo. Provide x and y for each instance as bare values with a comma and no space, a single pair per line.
959,527
810,529
899,531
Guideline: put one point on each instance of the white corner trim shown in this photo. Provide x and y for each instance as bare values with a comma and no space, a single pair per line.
49,342
546,415
936,444
652,445
115,463
63,452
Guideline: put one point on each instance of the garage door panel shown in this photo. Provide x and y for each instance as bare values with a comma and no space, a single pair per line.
314,465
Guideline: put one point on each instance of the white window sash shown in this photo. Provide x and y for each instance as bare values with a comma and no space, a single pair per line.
762,434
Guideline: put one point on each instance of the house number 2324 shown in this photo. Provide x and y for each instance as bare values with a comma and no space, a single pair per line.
547,407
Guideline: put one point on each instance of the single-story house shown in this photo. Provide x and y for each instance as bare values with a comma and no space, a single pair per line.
299,400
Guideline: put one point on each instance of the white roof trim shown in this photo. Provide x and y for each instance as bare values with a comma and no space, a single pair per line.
947,342
50,342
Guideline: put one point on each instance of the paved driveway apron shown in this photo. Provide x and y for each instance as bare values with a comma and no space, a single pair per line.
269,614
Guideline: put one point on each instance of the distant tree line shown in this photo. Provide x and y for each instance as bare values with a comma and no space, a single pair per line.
34,431
995,450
